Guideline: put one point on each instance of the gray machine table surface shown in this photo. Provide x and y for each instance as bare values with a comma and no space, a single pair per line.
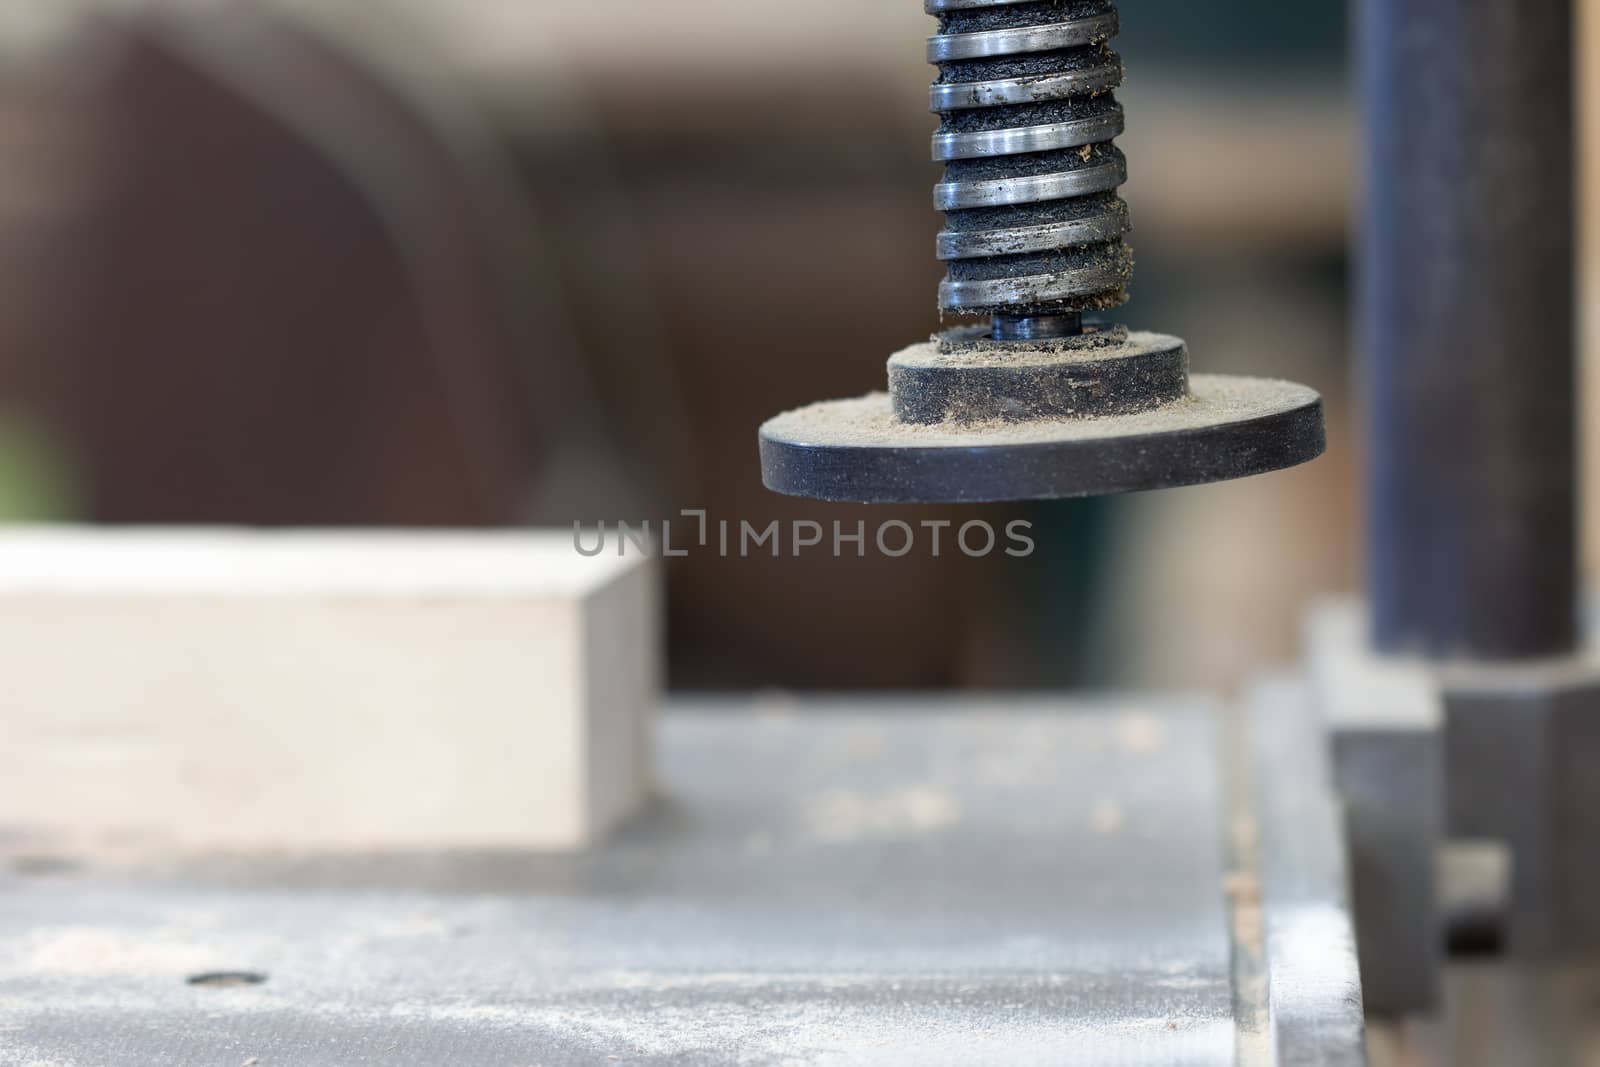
1003,881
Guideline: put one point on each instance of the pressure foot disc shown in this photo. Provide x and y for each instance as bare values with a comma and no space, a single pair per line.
860,450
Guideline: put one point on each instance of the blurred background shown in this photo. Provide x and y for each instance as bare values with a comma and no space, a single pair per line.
487,262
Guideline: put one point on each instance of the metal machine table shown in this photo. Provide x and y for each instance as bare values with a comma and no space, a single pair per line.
974,881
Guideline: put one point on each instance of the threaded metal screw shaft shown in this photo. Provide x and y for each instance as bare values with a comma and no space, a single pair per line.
1034,226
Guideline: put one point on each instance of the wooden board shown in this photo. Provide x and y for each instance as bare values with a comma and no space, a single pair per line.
362,690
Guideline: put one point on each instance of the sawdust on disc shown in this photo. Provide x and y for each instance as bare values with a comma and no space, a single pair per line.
869,422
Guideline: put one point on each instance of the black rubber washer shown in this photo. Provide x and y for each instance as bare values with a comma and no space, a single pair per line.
856,450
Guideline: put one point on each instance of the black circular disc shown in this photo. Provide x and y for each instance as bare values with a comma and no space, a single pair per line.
855,450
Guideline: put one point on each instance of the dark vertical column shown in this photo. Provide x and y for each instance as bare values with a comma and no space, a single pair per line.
1467,325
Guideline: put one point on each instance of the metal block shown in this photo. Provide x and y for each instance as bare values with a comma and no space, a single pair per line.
1485,753
1384,718
1522,746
